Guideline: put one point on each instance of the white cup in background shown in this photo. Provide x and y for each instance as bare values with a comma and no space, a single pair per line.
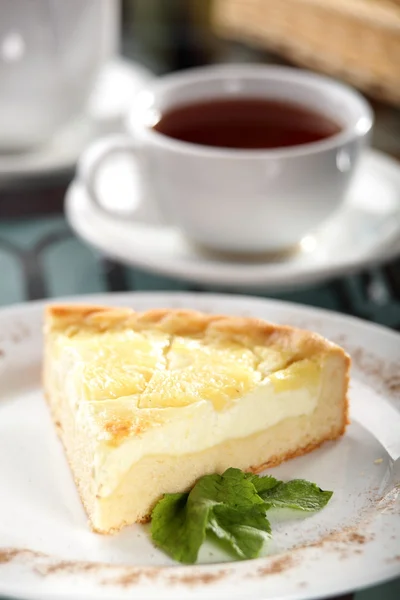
50,54
234,200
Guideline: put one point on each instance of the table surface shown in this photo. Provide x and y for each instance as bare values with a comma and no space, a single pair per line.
41,258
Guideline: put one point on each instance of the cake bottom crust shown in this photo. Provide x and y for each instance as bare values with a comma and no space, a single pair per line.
132,503
154,476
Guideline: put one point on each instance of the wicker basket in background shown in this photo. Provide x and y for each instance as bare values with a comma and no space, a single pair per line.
355,40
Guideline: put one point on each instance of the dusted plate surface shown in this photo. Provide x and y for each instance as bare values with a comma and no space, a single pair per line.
48,551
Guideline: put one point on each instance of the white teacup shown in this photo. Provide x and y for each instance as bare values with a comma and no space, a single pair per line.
242,201
50,54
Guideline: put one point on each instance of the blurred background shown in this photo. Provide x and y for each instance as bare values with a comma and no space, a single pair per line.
357,41
121,45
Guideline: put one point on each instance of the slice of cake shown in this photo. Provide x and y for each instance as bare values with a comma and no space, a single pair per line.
146,403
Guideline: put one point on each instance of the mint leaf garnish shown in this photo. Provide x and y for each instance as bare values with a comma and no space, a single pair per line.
264,483
297,494
179,521
244,532
232,508
233,488
177,530
237,514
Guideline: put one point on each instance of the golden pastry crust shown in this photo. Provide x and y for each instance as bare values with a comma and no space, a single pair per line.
71,318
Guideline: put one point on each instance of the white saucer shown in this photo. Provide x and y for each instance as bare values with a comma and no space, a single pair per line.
365,231
105,112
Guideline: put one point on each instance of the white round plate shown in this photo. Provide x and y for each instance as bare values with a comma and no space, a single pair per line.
107,107
365,231
48,552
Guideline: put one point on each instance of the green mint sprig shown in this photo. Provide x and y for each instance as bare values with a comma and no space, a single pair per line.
231,508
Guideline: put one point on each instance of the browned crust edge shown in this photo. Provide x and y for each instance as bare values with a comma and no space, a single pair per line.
61,317
58,429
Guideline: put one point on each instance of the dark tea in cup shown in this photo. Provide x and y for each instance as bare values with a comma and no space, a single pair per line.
246,123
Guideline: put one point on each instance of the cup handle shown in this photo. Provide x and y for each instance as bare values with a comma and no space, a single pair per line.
95,158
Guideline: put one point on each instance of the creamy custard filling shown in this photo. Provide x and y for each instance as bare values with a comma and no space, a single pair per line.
200,428
138,395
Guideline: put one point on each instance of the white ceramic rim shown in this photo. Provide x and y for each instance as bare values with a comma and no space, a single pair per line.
147,99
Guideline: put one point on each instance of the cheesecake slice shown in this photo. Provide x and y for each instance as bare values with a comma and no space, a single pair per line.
147,402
